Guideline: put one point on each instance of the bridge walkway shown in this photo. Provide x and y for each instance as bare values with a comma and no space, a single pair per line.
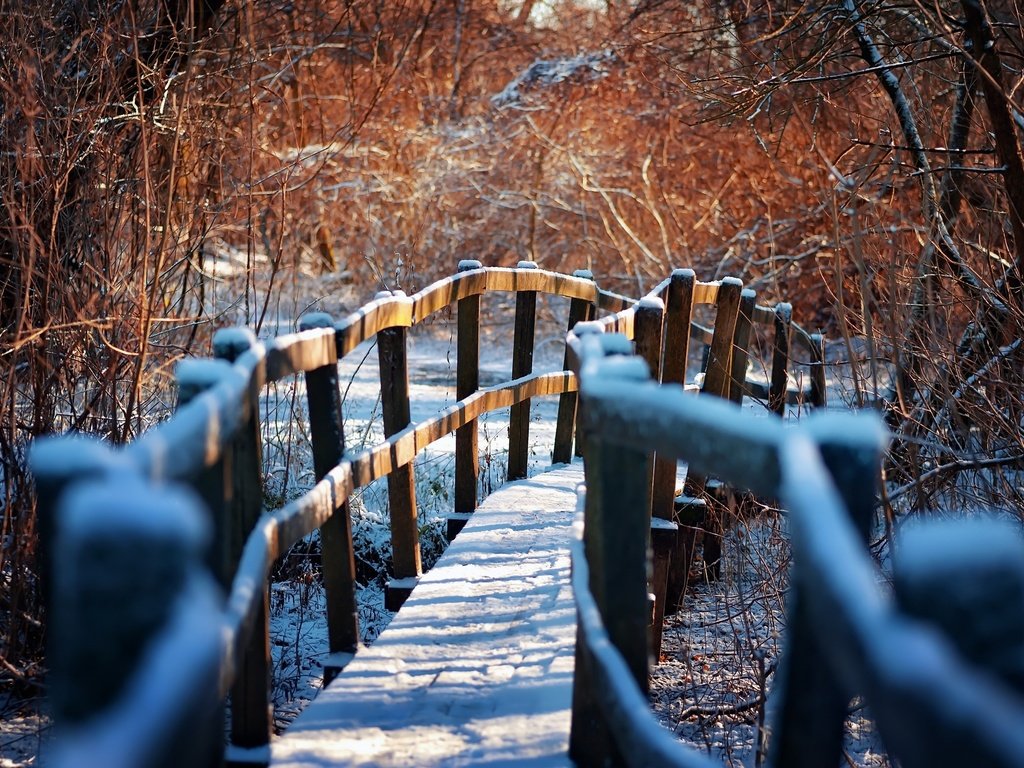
480,657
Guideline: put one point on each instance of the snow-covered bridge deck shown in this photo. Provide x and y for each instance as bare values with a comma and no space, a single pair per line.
476,668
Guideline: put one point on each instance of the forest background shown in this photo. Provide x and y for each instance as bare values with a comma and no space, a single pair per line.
860,158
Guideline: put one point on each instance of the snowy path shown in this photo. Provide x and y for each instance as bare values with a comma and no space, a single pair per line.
476,669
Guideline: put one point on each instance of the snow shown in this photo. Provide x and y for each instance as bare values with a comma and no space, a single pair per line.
478,661
316,320
651,302
228,343
548,72
71,456
197,374
465,265
123,502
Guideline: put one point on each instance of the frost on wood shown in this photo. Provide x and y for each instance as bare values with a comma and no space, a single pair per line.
544,73
967,578
176,677
196,374
124,551
229,343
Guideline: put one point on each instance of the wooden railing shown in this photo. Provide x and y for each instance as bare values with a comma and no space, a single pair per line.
109,600
940,666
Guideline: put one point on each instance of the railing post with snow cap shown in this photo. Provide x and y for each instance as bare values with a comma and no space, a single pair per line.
648,333
337,556
129,567
809,720
719,368
246,446
678,311
467,460
57,464
615,540
252,719
580,310
393,359
213,484
777,393
522,365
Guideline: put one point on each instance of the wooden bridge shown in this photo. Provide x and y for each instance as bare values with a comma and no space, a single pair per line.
530,642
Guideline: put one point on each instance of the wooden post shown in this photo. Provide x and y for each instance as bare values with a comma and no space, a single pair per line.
214,484
741,345
252,718
678,312
676,563
57,463
405,539
777,394
616,545
580,310
126,552
809,720
467,459
818,393
647,331
719,369
246,446
690,514
522,365
337,555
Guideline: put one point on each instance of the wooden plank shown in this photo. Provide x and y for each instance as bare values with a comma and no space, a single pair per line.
213,481
678,311
477,666
327,436
780,359
580,311
809,727
522,365
467,460
615,541
394,387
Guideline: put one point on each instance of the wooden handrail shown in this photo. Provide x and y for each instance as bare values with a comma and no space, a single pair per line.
213,441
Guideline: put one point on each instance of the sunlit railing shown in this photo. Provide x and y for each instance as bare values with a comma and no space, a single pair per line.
212,445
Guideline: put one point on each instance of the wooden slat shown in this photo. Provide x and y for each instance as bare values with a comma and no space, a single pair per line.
300,352
818,395
384,312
